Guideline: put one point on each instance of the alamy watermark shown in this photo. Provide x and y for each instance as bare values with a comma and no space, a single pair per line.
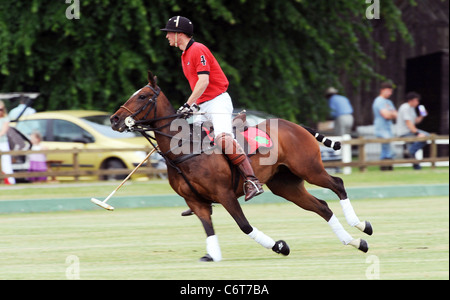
73,267
73,10
189,140
373,10
373,270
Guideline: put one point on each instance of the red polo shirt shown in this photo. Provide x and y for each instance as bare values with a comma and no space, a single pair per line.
197,59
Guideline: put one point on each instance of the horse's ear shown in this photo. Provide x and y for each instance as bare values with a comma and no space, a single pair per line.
151,79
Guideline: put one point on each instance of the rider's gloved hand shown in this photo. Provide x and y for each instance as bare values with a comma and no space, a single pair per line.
187,110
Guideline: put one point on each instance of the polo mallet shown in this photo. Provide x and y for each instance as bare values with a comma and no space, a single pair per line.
103,203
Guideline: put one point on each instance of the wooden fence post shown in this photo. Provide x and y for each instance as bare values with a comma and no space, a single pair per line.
433,150
76,165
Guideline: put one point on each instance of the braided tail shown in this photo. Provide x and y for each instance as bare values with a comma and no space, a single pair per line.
323,139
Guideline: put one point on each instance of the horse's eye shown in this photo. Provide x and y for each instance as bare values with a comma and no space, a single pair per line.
142,97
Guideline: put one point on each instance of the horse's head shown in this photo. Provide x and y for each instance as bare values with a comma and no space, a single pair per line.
138,107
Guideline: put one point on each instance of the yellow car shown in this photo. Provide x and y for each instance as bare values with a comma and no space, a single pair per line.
85,130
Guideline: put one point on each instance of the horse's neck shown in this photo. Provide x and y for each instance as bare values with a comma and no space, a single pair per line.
162,136
164,108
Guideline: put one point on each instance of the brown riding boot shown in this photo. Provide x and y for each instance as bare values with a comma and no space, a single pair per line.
236,155
252,186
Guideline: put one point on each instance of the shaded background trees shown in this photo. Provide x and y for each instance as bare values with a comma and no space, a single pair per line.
278,55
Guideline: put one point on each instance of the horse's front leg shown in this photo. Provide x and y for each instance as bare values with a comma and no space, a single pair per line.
234,209
203,212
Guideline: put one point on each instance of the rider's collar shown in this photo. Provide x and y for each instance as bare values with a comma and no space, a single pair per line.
189,44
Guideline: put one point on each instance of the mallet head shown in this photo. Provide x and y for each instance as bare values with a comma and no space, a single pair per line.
102,204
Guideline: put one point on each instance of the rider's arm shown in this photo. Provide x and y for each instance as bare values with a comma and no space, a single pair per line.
388,114
199,89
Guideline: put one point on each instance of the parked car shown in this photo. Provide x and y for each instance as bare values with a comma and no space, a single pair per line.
83,129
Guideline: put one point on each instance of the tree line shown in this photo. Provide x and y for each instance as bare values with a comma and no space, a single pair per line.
279,56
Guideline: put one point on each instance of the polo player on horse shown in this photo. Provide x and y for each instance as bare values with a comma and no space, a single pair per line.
209,96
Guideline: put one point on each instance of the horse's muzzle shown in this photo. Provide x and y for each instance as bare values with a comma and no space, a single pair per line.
117,123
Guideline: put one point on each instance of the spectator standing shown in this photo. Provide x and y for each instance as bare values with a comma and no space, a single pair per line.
4,145
37,160
21,110
384,113
341,111
407,119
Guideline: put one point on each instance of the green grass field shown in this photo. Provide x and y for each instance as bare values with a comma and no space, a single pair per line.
373,177
410,241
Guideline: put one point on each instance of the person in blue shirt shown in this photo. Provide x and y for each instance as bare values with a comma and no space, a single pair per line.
384,113
341,111
21,110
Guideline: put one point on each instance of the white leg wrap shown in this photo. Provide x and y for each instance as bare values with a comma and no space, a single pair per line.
349,213
261,238
337,228
213,248
356,243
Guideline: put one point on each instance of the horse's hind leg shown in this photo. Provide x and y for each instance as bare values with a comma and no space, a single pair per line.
234,209
287,185
336,184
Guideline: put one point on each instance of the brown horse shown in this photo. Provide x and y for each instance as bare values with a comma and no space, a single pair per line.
207,178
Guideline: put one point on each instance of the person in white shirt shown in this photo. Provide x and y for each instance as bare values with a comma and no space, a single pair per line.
407,119
4,145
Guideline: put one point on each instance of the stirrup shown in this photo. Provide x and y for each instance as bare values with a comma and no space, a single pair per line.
259,190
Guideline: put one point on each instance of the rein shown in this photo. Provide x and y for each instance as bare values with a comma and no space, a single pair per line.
143,126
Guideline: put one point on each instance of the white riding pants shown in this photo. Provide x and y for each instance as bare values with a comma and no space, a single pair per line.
219,111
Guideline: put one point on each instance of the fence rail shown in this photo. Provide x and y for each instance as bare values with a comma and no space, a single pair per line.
361,143
77,170
361,162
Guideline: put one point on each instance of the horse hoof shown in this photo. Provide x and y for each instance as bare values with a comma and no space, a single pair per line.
363,246
368,228
187,212
281,247
206,258
365,227
360,244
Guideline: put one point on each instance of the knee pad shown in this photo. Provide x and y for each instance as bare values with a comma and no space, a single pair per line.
230,148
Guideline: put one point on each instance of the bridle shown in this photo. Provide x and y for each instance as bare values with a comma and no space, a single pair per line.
150,104
143,126
144,123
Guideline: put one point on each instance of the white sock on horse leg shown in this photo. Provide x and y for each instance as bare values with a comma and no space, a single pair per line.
261,238
349,213
337,228
213,248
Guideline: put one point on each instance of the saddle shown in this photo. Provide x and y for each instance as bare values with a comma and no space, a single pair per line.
251,139
201,139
